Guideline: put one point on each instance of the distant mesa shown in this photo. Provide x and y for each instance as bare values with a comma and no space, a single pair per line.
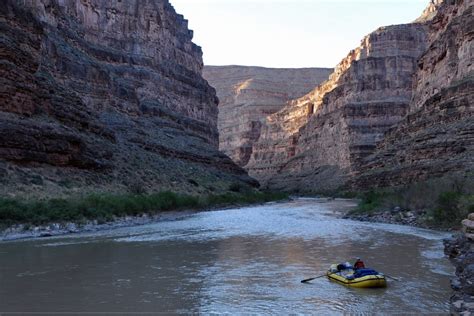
247,95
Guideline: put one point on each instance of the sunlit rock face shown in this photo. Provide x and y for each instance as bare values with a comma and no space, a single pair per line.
100,95
397,109
431,10
248,94
437,136
313,143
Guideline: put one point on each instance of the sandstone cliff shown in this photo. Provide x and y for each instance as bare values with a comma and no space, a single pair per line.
430,12
437,136
99,95
397,109
248,94
313,143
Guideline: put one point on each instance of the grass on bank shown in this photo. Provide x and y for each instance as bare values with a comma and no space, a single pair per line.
106,207
443,202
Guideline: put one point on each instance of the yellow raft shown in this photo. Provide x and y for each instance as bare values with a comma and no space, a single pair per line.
347,277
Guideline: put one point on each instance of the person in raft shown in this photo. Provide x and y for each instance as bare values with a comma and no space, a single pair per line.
359,264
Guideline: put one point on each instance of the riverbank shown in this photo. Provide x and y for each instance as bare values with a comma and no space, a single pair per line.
55,217
395,216
439,204
460,251
438,210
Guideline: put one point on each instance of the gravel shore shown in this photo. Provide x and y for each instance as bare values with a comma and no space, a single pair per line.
460,251
22,231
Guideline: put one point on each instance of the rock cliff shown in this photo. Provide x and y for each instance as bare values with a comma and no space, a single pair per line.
248,94
437,136
397,109
430,12
99,95
313,143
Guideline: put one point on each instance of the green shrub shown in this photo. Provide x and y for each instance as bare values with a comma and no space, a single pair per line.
370,202
452,208
445,201
104,207
236,187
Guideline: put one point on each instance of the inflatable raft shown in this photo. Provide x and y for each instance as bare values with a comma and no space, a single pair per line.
356,278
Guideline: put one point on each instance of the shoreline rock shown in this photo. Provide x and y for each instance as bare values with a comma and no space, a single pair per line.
396,216
459,249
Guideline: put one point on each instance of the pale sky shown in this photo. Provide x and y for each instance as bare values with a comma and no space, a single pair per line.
288,33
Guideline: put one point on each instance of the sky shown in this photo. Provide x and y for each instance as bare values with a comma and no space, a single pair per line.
288,33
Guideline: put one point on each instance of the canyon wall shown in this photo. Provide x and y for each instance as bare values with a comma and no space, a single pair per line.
437,136
99,95
313,143
248,94
397,109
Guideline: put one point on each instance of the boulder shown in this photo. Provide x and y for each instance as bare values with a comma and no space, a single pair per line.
468,226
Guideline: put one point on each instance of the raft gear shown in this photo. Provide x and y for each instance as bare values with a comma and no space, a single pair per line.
357,278
359,264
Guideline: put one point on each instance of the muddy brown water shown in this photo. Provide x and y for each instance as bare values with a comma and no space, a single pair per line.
247,260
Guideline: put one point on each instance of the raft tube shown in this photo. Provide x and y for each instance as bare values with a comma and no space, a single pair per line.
346,277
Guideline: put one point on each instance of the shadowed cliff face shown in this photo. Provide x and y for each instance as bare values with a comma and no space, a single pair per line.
248,94
105,95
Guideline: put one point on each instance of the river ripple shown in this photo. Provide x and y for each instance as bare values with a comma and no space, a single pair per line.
247,260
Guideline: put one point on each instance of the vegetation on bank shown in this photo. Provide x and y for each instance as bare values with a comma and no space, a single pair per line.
106,207
442,202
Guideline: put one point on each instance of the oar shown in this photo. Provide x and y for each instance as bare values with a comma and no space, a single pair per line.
310,279
391,277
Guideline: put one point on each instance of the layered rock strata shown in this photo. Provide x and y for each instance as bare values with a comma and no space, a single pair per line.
397,109
97,95
249,94
313,143
437,136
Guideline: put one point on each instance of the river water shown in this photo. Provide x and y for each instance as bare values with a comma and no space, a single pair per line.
248,260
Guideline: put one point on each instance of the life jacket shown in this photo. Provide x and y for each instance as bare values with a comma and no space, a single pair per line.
359,264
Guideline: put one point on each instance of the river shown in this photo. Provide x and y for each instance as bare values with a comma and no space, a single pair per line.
247,260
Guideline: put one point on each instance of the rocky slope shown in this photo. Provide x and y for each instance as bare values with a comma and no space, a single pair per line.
313,143
98,95
248,94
